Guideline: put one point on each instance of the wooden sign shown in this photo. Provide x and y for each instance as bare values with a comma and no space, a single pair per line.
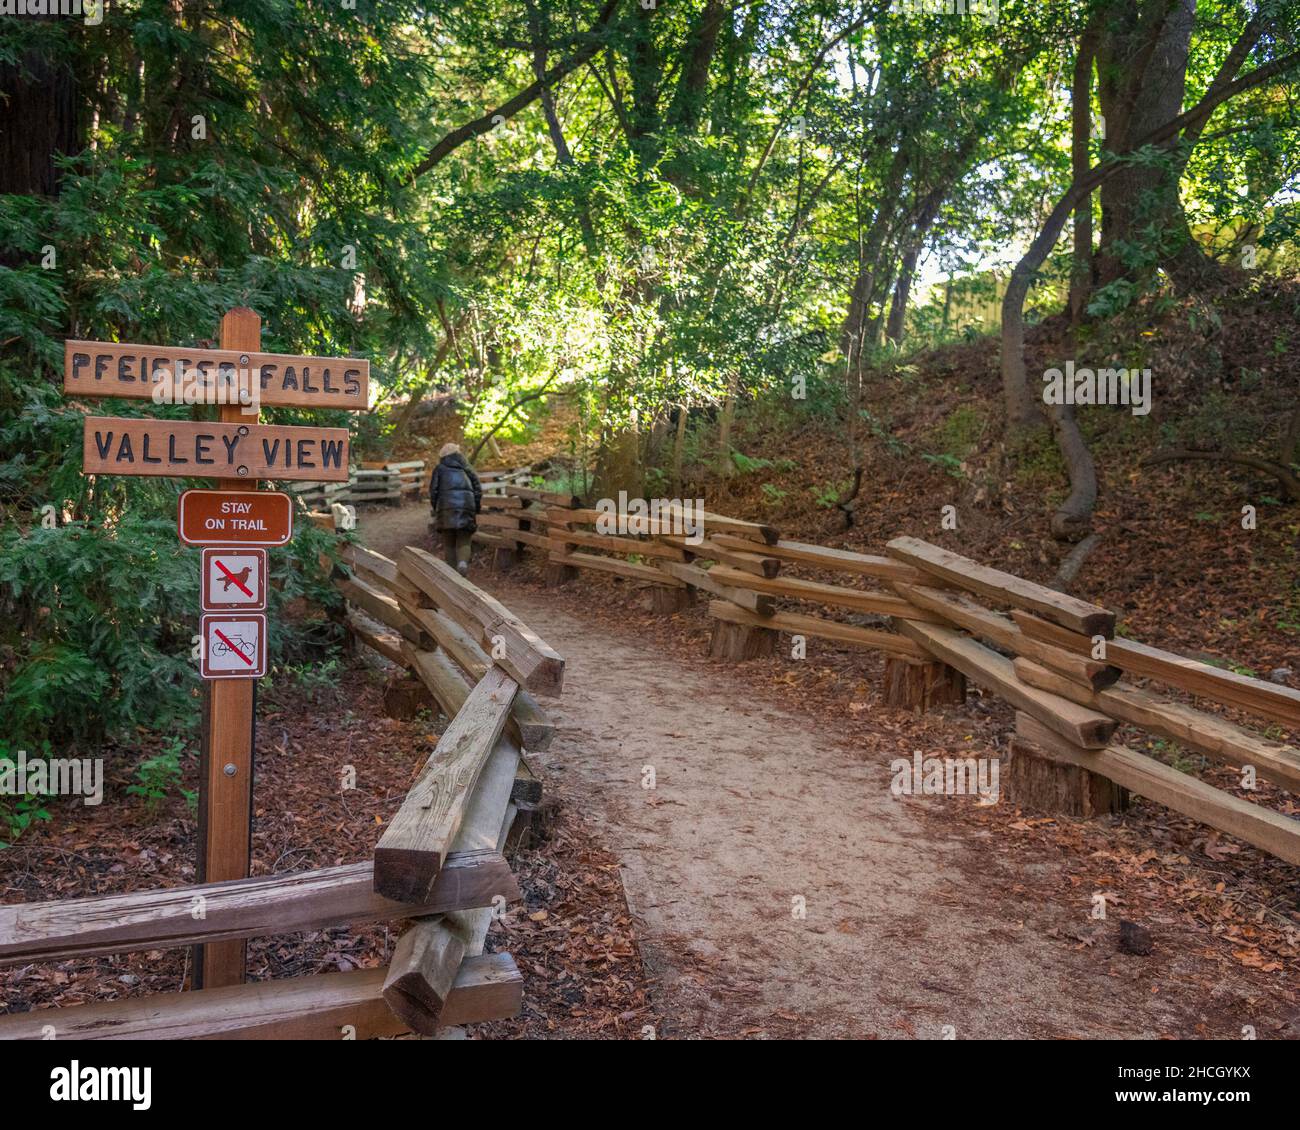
177,375
234,580
234,517
114,445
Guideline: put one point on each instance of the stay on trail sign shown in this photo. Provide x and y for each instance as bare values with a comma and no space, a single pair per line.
234,517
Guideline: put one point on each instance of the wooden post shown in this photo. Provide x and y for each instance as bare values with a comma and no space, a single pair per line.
226,763
668,602
558,573
405,697
738,642
1039,782
921,686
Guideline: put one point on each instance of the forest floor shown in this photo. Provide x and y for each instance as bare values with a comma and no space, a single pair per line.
778,888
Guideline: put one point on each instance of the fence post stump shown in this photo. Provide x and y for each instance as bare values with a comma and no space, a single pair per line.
738,642
1038,781
921,686
503,559
557,573
405,697
665,601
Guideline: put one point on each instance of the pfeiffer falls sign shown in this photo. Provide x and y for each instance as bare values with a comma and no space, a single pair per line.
179,375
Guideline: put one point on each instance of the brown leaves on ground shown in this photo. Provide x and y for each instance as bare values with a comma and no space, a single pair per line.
574,940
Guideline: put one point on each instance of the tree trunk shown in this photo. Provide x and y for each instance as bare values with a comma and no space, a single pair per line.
1080,133
725,420
902,289
1142,55
1073,518
619,464
856,325
39,120
679,443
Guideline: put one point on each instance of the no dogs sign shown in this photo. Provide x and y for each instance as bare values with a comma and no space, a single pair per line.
234,579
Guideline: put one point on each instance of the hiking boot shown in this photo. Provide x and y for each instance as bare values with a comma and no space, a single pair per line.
462,567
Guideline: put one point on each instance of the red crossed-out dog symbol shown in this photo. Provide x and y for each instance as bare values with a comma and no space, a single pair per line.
239,580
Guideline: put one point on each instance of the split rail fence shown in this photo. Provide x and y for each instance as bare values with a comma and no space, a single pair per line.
392,483
439,862
941,619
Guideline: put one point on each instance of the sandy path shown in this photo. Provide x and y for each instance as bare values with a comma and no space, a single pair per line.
904,930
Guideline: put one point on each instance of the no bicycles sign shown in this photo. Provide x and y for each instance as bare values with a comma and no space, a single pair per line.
234,647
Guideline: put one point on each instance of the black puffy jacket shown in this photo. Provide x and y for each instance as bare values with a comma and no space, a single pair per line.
455,495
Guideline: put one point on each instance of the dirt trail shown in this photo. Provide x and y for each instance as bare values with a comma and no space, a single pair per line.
906,929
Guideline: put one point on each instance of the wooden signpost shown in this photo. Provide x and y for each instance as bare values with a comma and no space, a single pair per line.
237,451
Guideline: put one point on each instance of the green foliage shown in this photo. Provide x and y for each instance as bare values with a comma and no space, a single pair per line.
828,494
959,434
100,619
883,433
745,465
1037,459
949,463
157,776
318,681
18,813
98,627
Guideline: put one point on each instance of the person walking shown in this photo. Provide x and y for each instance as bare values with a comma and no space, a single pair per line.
455,498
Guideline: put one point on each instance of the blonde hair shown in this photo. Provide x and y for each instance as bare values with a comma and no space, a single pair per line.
448,449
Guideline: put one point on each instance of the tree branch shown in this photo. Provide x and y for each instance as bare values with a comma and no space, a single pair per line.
479,126
1288,481
536,394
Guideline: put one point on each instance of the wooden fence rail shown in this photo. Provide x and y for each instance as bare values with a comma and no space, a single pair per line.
481,664
438,863
941,619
